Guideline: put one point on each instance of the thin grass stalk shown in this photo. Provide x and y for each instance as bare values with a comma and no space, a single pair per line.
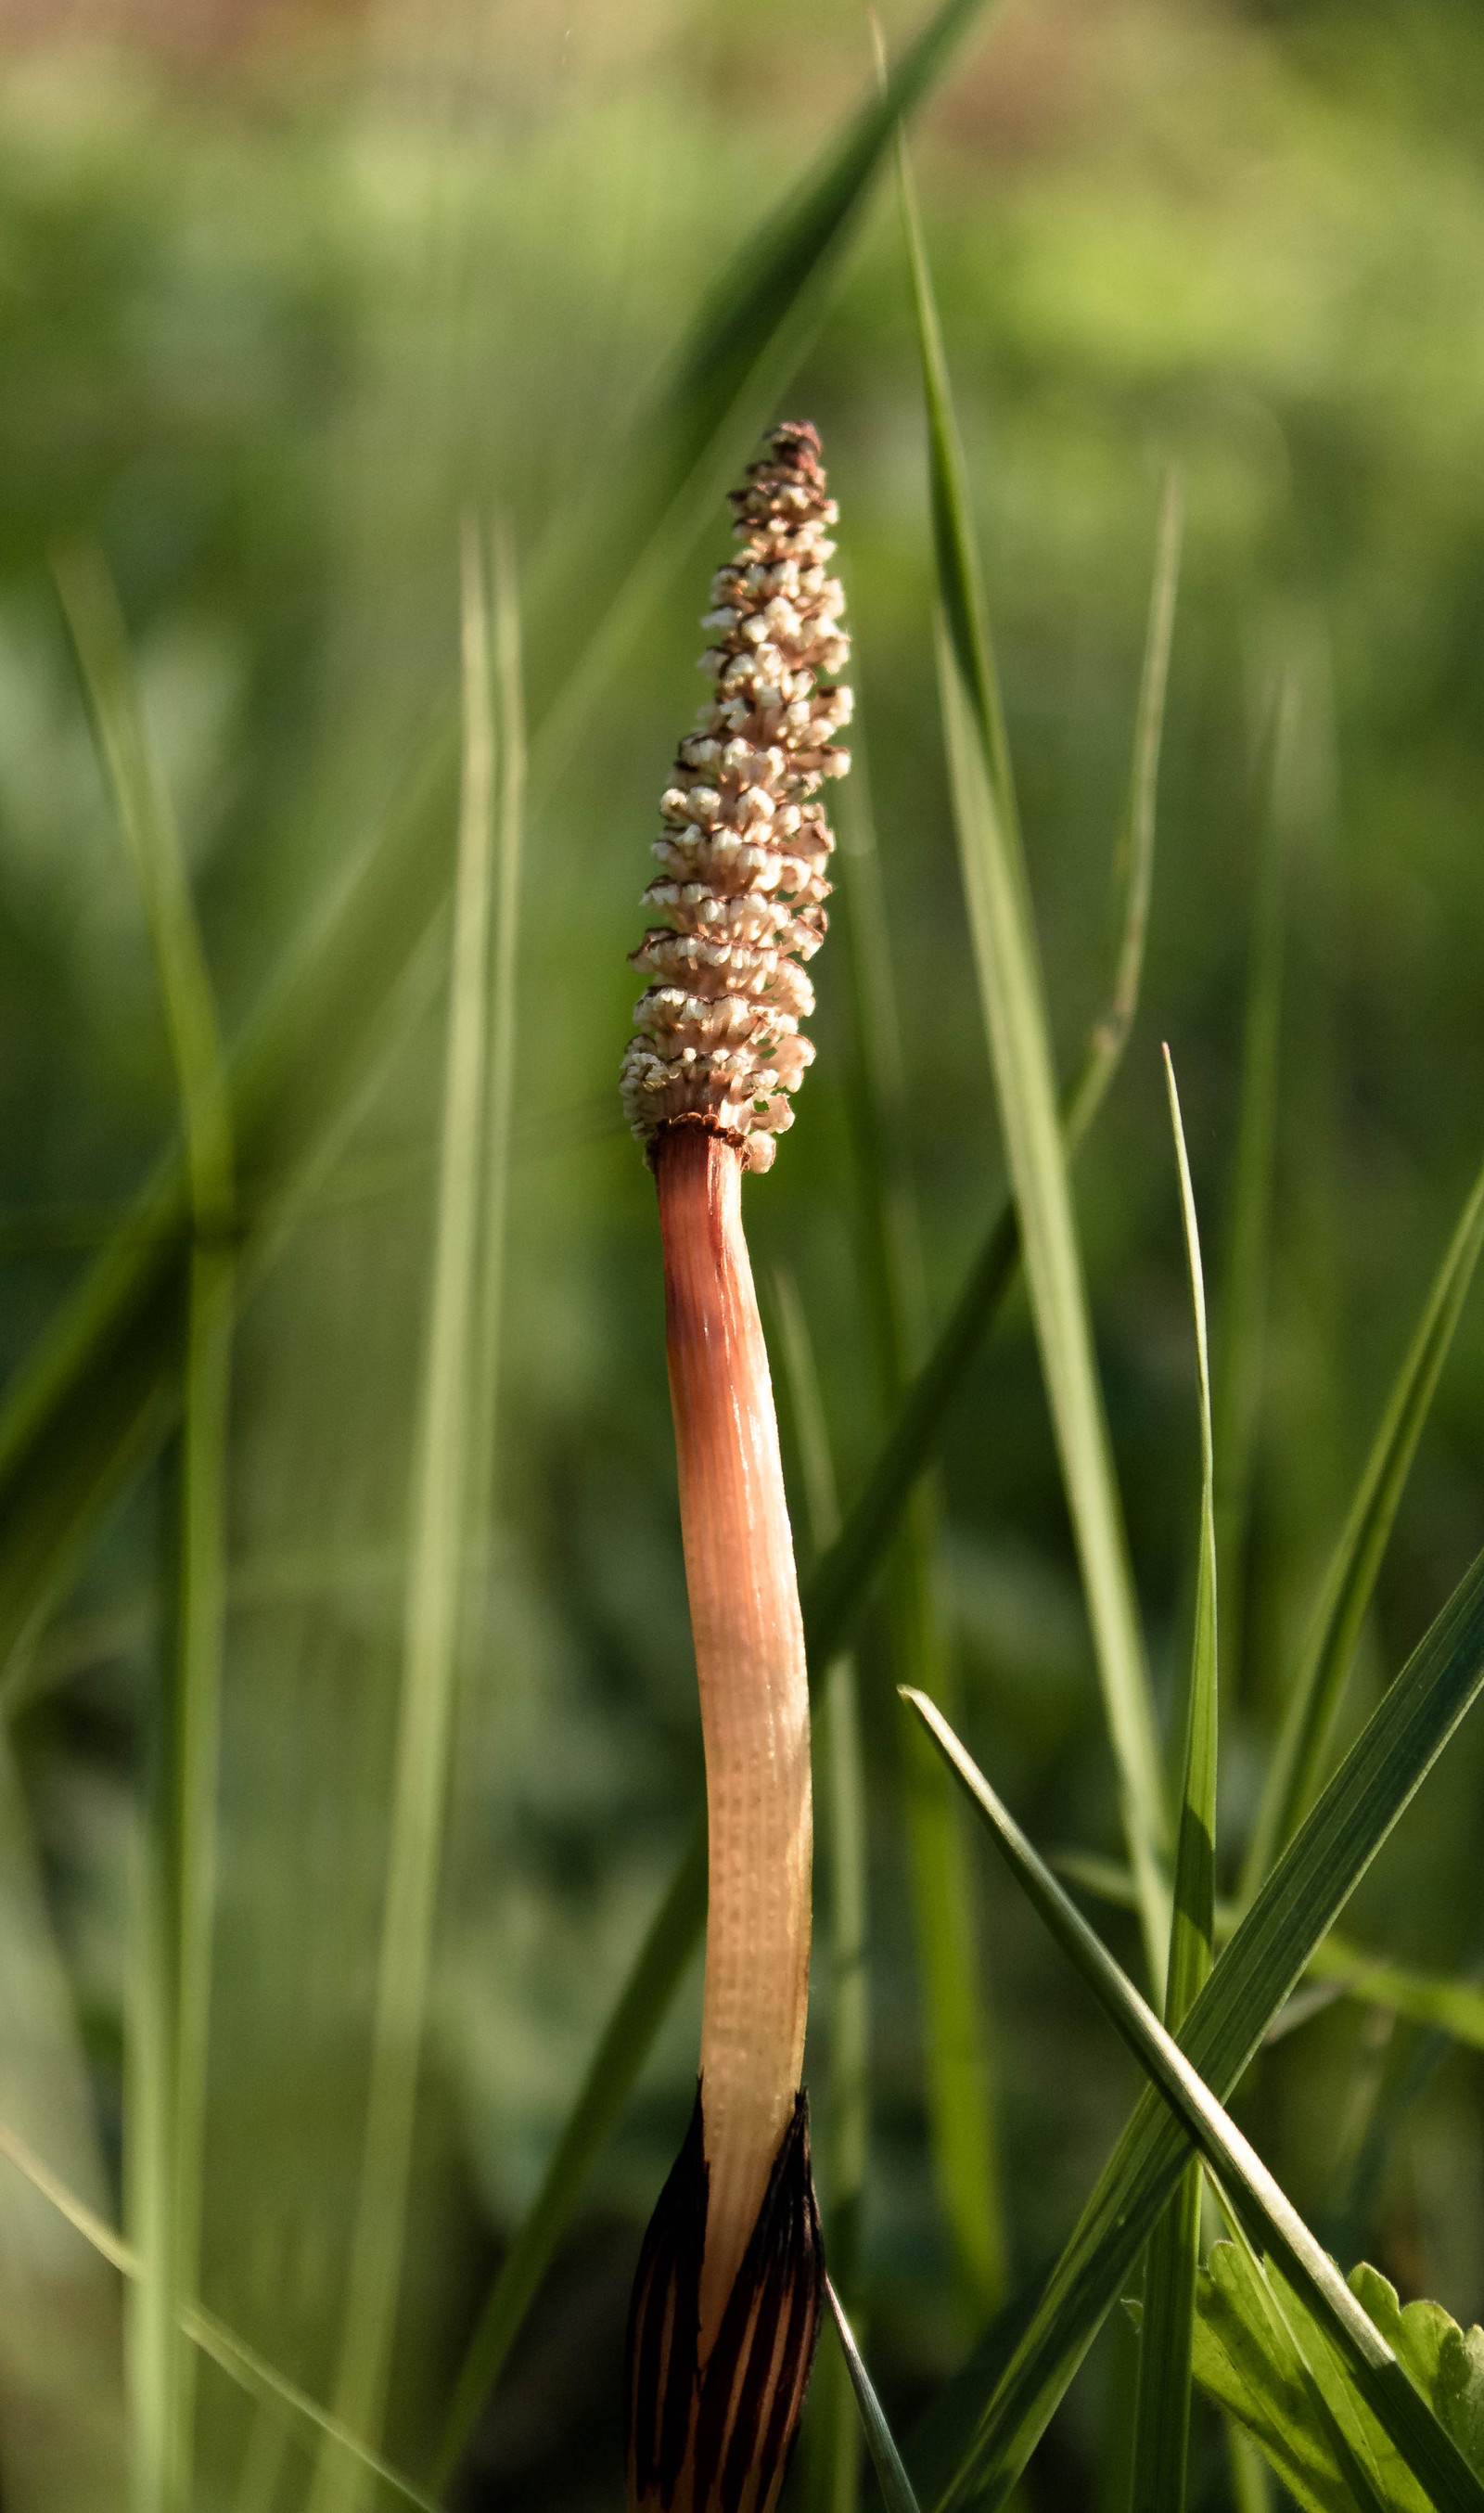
1162,2415
833,1592
505,956
435,1578
891,2470
179,1852
1298,1759
955,2017
1008,962
1134,851
833,2434
242,2364
1249,1229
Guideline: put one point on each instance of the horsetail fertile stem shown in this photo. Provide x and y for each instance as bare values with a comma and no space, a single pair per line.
727,2293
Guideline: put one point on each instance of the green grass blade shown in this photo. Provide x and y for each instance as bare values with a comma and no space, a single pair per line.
159,865
180,1900
62,2437
503,983
1134,854
1267,1953
958,2072
442,1479
1162,2414
891,2472
1351,1577
103,1385
833,2439
1192,1929
1249,1228
1424,2443
1015,1013
242,2362
1453,2007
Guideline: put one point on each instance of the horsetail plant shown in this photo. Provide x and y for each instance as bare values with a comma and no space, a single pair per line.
730,2283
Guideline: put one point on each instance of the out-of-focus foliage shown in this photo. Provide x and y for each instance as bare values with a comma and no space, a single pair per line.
267,325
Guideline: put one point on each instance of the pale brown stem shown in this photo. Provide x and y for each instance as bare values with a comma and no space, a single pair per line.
754,1696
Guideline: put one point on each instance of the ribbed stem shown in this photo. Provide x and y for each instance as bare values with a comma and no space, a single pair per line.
754,1698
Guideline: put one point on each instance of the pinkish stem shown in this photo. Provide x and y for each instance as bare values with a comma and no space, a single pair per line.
754,1696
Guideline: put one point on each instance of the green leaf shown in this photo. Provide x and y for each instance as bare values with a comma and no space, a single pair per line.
896,2486
1424,2443
1249,1223
1162,2415
1330,1648
1257,2371
1008,962
1265,1957
1324,2420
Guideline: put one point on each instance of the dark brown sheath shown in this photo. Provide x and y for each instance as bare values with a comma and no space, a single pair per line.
719,2441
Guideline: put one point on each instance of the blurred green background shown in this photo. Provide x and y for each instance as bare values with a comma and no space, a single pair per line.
282,296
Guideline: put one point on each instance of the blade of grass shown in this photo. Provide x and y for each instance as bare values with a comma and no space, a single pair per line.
1008,962
503,996
1267,1953
891,2472
440,1502
1454,2007
240,2362
63,2434
1249,1228
1134,854
834,2433
1162,2413
834,1591
102,1386
1423,2442
888,1237
1330,1648
182,1844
